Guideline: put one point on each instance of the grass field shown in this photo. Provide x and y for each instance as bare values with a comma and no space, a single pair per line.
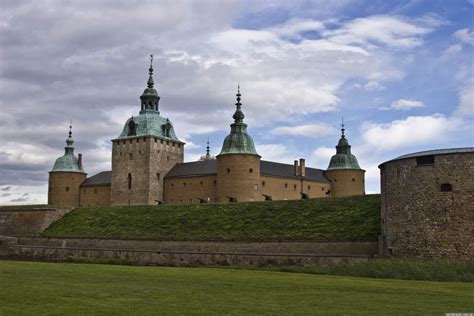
62,289
350,218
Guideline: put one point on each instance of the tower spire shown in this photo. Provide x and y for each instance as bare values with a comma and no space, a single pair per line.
69,140
342,128
208,152
238,115
150,82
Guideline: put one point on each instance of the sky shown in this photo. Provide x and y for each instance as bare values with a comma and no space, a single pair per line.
400,73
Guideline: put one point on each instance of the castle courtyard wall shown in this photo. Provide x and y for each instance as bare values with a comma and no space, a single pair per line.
95,196
290,188
190,189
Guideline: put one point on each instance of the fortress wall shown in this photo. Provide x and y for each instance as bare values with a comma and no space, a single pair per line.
191,253
28,222
289,189
190,189
418,218
95,196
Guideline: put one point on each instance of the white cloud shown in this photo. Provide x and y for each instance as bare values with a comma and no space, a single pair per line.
466,103
310,130
406,133
406,104
275,152
453,49
465,36
373,86
322,155
380,30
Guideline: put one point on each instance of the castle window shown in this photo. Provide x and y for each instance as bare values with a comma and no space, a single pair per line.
250,170
161,141
144,139
95,191
309,187
227,170
156,140
286,185
120,153
446,187
167,142
179,145
294,187
140,152
172,185
168,158
130,156
322,189
353,179
129,181
138,140
173,144
263,183
425,160
124,142
184,184
158,176
215,182
202,183
131,141
67,189
335,180
132,128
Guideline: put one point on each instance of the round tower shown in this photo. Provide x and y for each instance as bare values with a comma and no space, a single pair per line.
66,177
346,177
238,164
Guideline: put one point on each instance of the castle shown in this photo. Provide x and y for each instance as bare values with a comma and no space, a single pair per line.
148,168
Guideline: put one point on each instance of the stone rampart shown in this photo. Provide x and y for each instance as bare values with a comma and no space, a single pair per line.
28,222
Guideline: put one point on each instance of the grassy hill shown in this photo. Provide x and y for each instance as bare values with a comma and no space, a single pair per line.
350,218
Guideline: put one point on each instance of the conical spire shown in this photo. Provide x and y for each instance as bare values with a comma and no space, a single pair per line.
343,159
150,82
68,162
69,140
238,115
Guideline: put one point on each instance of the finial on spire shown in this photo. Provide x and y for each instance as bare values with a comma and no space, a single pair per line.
207,148
342,128
238,115
70,128
150,82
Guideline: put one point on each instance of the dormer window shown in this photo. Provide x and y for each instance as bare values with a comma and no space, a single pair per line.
132,128
165,129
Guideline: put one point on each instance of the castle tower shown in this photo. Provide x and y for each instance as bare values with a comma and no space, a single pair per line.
238,164
144,152
208,155
66,177
346,177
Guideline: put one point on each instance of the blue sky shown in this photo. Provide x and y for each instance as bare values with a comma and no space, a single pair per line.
399,72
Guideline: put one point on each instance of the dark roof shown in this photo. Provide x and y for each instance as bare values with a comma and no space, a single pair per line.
267,168
194,168
434,152
101,179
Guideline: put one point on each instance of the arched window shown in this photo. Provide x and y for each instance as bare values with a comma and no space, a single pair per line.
446,187
129,181
132,128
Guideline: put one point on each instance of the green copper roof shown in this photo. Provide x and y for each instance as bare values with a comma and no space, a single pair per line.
238,141
68,162
149,122
343,159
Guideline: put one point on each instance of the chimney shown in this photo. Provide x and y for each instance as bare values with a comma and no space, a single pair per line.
296,168
302,167
79,161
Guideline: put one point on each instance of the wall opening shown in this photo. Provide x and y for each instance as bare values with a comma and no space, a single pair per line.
129,181
446,187
425,160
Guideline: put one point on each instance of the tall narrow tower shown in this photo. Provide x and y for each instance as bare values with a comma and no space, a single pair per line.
346,177
144,152
66,177
238,164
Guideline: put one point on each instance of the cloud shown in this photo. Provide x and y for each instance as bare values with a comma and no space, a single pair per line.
466,103
310,130
465,36
407,133
453,49
6,188
275,152
406,104
373,86
322,156
380,30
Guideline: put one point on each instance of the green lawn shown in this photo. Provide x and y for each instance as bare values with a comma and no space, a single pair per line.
350,218
29,288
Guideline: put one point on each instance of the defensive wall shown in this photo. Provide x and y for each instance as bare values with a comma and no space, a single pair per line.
187,253
31,222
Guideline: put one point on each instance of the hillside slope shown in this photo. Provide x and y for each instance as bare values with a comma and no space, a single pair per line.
350,218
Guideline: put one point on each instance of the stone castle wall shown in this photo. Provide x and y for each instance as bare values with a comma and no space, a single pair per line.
95,196
63,189
190,189
147,160
290,189
30,222
238,176
346,182
418,218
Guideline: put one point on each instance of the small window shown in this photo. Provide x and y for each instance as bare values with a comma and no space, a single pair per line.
120,153
263,183
179,145
173,144
144,139
140,152
130,141
251,170
227,170
158,177
167,142
168,158
294,187
322,189
138,140
335,180
353,180
202,183
215,182
130,156
156,140
172,185
286,185
95,191
67,189
132,128
309,187
446,187
161,141
129,181
425,160
184,184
